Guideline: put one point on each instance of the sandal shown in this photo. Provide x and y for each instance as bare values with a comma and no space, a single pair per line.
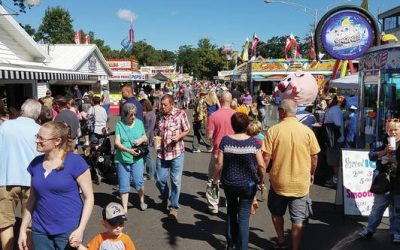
280,246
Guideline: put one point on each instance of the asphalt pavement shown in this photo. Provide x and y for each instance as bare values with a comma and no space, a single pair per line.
196,229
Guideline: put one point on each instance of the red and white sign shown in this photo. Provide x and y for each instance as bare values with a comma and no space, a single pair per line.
120,76
122,64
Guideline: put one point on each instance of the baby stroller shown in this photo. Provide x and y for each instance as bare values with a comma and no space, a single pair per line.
100,158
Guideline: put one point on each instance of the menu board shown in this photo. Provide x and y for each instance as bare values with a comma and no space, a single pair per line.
357,172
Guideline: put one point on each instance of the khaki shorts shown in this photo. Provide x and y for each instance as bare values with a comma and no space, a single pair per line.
10,196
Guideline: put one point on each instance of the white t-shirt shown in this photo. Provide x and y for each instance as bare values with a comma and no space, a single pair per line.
100,115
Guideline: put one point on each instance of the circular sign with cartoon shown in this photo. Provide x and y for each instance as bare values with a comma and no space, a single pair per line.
346,35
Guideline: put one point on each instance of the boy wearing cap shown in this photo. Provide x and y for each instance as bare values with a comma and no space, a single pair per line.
113,220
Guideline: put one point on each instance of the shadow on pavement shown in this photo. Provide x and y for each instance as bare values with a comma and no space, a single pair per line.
322,231
197,175
102,199
203,229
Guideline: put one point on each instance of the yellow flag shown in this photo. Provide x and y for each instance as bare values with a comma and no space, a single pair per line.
245,52
364,4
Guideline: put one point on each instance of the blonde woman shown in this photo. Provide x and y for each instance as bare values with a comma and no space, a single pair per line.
212,103
59,216
386,158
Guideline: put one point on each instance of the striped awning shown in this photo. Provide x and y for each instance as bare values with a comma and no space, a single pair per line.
42,74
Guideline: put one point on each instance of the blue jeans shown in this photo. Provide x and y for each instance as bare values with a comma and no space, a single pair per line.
130,175
381,202
395,215
238,214
174,168
44,241
149,163
107,108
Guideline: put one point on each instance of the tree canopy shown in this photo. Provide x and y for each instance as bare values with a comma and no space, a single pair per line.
56,26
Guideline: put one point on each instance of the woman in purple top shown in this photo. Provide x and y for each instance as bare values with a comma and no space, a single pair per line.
240,166
58,214
247,98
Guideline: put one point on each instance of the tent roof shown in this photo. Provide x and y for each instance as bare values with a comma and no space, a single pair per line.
159,76
347,82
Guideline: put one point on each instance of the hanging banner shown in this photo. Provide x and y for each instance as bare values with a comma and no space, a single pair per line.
346,35
357,178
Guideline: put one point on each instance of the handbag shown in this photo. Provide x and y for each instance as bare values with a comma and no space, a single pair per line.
381,183
91,121
141,149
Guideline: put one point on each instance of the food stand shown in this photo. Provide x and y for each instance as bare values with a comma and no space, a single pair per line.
379,90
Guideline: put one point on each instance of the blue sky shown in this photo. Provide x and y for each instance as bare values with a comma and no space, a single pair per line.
169,24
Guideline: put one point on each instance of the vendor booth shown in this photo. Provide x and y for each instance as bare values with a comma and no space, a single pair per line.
25,68
379,90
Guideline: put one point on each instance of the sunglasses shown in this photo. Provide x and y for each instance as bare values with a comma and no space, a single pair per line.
41,139
393,120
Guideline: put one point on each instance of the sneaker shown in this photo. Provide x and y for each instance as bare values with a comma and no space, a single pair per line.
396,239
281,245
209,150
143,206
212,212
365,234
196,151
173,214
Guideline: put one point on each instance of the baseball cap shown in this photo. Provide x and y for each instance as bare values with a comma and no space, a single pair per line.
114,214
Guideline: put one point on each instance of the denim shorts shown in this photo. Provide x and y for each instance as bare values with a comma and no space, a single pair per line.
130,175
299,207
45,241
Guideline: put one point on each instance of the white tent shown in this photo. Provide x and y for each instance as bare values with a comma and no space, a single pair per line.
347,82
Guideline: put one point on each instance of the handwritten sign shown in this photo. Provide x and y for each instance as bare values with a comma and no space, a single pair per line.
357,178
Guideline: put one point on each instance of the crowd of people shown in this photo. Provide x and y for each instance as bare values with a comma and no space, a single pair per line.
42,170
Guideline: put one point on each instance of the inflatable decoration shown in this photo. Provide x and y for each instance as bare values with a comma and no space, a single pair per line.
300,86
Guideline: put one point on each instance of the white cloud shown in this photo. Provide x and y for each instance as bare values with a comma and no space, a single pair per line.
127,15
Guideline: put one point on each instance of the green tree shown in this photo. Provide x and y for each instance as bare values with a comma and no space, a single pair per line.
166,57
144,53
56,26
187,59
211,59
29,29
274,48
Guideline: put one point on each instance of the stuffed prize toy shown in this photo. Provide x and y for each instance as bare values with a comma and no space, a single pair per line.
300,86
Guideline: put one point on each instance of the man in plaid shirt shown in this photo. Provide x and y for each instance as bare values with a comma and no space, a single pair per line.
172,126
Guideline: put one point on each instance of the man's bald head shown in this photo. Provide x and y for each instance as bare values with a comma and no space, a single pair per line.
289,106
127,91
226,99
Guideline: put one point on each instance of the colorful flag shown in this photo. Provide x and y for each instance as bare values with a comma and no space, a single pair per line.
87,39
313,56
254,46
77,37
245,52
291,41
364,4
